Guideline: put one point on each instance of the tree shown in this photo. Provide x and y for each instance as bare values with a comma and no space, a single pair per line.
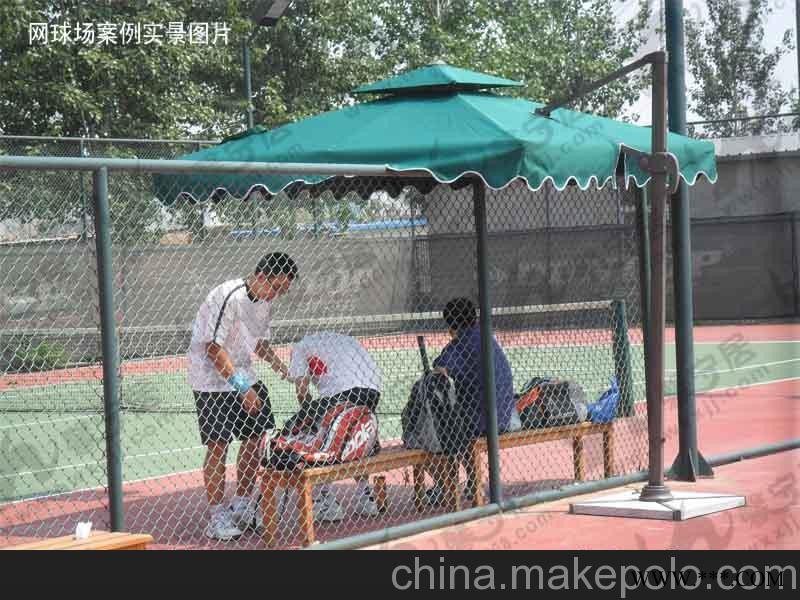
734,74
552,46
307,63
116,90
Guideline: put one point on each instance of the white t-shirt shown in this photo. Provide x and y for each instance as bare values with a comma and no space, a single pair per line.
338,362
231,319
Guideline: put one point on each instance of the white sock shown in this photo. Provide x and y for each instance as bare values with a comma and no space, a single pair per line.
216,509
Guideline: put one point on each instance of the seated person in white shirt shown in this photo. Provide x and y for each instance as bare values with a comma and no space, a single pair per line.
341,370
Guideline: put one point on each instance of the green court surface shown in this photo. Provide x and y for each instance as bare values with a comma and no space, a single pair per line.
44,453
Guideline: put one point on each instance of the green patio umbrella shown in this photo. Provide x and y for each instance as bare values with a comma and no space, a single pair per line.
445,121
441,124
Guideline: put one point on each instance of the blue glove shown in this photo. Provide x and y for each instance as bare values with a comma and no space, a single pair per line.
239,382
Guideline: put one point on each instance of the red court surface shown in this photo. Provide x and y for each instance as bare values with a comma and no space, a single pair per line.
770,521
727,422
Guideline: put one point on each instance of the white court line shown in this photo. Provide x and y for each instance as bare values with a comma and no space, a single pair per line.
102,462
64,420
720,342
746,385
745,368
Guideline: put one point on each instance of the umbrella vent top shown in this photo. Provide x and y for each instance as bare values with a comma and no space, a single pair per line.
437,77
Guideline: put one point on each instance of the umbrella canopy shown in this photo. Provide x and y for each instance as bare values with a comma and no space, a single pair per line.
443,120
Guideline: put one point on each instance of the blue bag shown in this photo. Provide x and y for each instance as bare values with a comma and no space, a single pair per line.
604,409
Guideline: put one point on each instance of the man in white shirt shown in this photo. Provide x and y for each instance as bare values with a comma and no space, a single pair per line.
233,323
341,370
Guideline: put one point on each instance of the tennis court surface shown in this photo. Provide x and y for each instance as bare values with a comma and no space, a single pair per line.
52,469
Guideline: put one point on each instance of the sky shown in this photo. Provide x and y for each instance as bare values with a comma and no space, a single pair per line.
781,19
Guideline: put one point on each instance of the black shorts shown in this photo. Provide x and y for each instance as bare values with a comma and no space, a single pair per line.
222,418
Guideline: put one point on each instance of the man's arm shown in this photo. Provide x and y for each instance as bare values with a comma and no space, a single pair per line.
265,352
301,387
222,362
445,358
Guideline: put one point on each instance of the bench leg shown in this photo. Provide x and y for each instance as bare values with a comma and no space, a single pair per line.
608,452
271,482
305,507
450,481
578,456
476,477
380,492
419,487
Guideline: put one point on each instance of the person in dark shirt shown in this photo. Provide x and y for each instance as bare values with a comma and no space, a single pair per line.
461,360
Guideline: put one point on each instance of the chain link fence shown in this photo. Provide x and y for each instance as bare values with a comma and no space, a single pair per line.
377,264
34,145
743,126
53,462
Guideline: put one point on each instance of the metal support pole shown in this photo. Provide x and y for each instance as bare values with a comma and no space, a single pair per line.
689,464
487,350
248,91
108,329
655,490
795,265
797,36
643,230
84,223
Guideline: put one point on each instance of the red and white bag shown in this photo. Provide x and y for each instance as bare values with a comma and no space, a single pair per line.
335,434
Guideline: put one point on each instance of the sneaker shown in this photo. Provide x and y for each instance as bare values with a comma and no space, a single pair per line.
326,508
365,505
221,526
246,513
469,495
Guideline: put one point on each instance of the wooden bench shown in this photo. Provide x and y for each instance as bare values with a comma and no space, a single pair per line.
527,437
97,540
303,480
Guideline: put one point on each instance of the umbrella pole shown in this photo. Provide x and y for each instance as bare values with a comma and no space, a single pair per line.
487,349
655,490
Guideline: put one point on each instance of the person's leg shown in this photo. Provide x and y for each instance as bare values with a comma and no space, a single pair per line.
472,479
215,434
250,429
214,472
247,466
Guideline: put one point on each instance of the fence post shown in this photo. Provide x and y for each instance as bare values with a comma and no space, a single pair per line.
622,357
795,266
487,349
689,463
84,225
108,330
643,231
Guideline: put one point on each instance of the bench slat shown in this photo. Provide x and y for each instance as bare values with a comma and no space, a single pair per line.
386,460
97,540
535,436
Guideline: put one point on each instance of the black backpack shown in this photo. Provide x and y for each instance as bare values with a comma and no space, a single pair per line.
433,419
550,403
